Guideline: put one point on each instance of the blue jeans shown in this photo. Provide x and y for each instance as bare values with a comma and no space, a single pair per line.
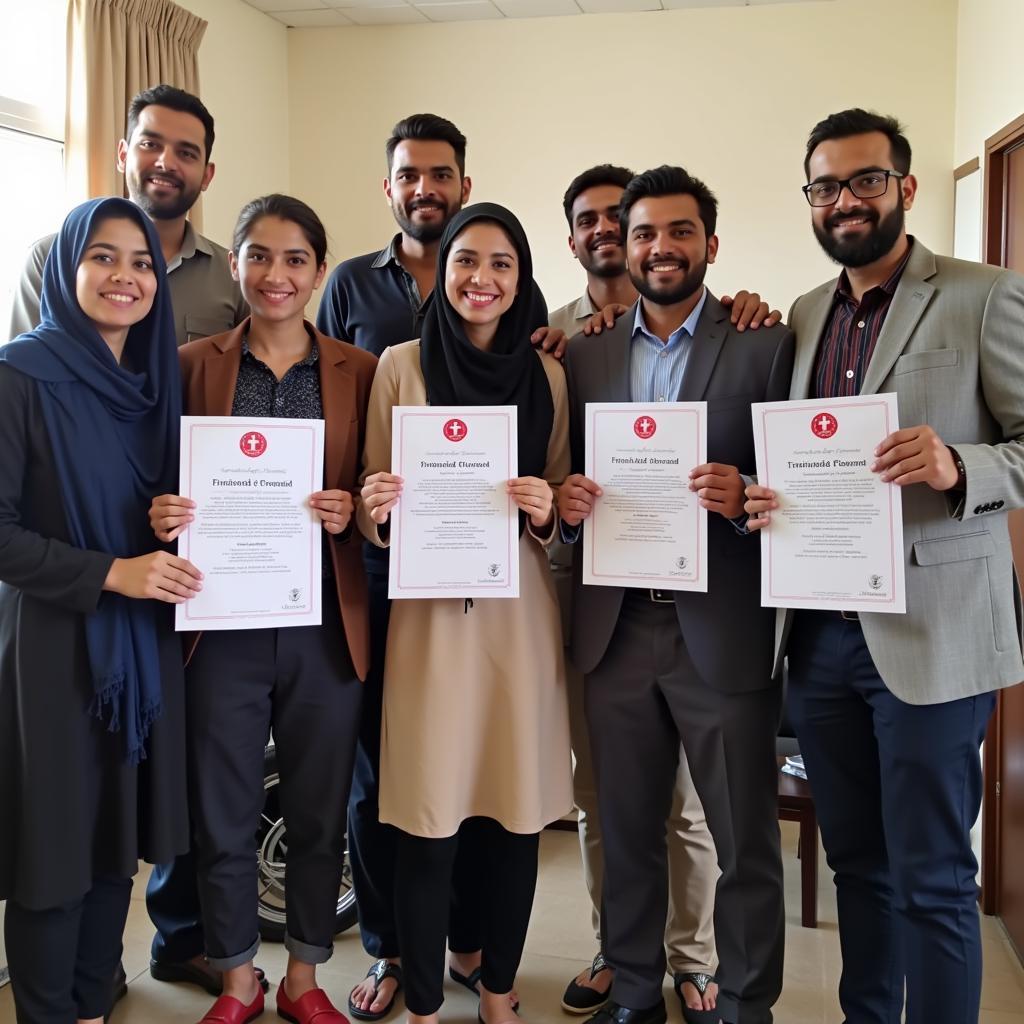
897,788
172,899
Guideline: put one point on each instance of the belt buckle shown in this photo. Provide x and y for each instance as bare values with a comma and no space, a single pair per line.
657,596
850,616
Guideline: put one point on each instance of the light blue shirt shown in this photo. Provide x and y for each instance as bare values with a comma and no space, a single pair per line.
656,367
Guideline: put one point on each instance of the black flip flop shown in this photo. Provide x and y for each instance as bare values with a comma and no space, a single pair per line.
700,982
471,981
379,971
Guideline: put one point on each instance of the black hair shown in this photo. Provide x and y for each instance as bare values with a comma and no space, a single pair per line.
856,121
286,208
669,181
174,99
431,128
602,174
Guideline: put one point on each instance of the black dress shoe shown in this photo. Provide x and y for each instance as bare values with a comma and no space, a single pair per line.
612,1013
118,989
189,973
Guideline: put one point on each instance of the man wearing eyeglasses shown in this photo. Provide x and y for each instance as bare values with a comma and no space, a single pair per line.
890,710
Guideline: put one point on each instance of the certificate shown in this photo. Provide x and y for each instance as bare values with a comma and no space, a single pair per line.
254,537
455,529
648,528
836,539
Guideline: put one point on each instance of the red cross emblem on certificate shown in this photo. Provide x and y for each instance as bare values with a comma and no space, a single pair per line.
253,444
455,430
644,427
824,425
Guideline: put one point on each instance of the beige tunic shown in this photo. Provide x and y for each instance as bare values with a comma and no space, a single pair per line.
475,710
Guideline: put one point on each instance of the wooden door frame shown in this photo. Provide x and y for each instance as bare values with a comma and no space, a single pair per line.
993,248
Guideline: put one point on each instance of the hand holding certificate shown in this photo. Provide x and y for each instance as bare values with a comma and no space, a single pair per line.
647,528
836,537
252,530
455,527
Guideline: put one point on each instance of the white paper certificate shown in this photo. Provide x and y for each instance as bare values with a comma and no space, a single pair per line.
836,540
254,536
455,530
648,528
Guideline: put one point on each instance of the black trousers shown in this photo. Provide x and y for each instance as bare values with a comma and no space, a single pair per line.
371,844
503,868
642,700
241,684
63,959
897,787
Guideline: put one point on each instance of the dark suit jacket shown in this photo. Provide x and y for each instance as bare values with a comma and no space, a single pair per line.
209,370
728,634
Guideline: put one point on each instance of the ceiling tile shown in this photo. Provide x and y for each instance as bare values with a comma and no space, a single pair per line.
367,4
286,5
320,18
459,10
403,15
675,5
618,6
536,8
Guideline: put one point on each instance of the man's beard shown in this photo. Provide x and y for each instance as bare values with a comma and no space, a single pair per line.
423,233
177,204
603,268
882,235
693,279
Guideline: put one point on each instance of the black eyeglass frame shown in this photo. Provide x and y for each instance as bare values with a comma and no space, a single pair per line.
848,183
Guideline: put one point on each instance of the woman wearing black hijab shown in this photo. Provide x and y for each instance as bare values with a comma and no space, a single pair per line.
92,768
475,736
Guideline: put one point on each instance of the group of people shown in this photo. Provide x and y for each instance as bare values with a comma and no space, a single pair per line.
435,735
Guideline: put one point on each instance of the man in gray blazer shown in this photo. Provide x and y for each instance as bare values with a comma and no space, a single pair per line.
890,709
663,667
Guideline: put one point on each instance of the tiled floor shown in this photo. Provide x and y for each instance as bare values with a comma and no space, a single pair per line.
559,944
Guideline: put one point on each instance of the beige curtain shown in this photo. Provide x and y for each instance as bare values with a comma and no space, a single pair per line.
117,48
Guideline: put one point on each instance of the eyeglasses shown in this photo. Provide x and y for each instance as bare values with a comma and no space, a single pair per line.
867,185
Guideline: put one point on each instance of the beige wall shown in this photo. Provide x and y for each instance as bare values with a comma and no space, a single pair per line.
990,75
730,93
243,75
989,94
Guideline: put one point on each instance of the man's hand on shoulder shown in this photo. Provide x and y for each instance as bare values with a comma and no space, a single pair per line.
747,310
605,318
551,339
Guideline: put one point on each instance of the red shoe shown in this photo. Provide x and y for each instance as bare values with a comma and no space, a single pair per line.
229,1010
312,1008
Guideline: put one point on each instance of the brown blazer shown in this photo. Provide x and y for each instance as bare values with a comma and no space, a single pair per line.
209,372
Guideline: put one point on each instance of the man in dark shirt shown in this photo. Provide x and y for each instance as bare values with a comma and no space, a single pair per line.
375,301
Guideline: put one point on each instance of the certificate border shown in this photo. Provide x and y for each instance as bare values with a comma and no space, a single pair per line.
852,602
193,427
506,589
632,581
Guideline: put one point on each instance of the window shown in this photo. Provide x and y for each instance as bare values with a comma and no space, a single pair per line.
32,82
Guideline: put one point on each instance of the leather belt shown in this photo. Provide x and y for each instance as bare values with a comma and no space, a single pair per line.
653,595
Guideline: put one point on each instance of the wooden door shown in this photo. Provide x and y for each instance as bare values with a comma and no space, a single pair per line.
1004,188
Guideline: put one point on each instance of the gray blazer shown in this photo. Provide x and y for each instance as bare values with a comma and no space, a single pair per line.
952,349
727,632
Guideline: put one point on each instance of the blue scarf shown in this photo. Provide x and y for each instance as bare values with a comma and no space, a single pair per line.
114,434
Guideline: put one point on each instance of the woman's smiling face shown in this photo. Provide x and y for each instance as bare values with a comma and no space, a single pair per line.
482,274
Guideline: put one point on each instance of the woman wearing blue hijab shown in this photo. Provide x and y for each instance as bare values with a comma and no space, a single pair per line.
92,759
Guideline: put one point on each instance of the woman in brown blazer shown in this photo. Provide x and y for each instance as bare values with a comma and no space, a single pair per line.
304,682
